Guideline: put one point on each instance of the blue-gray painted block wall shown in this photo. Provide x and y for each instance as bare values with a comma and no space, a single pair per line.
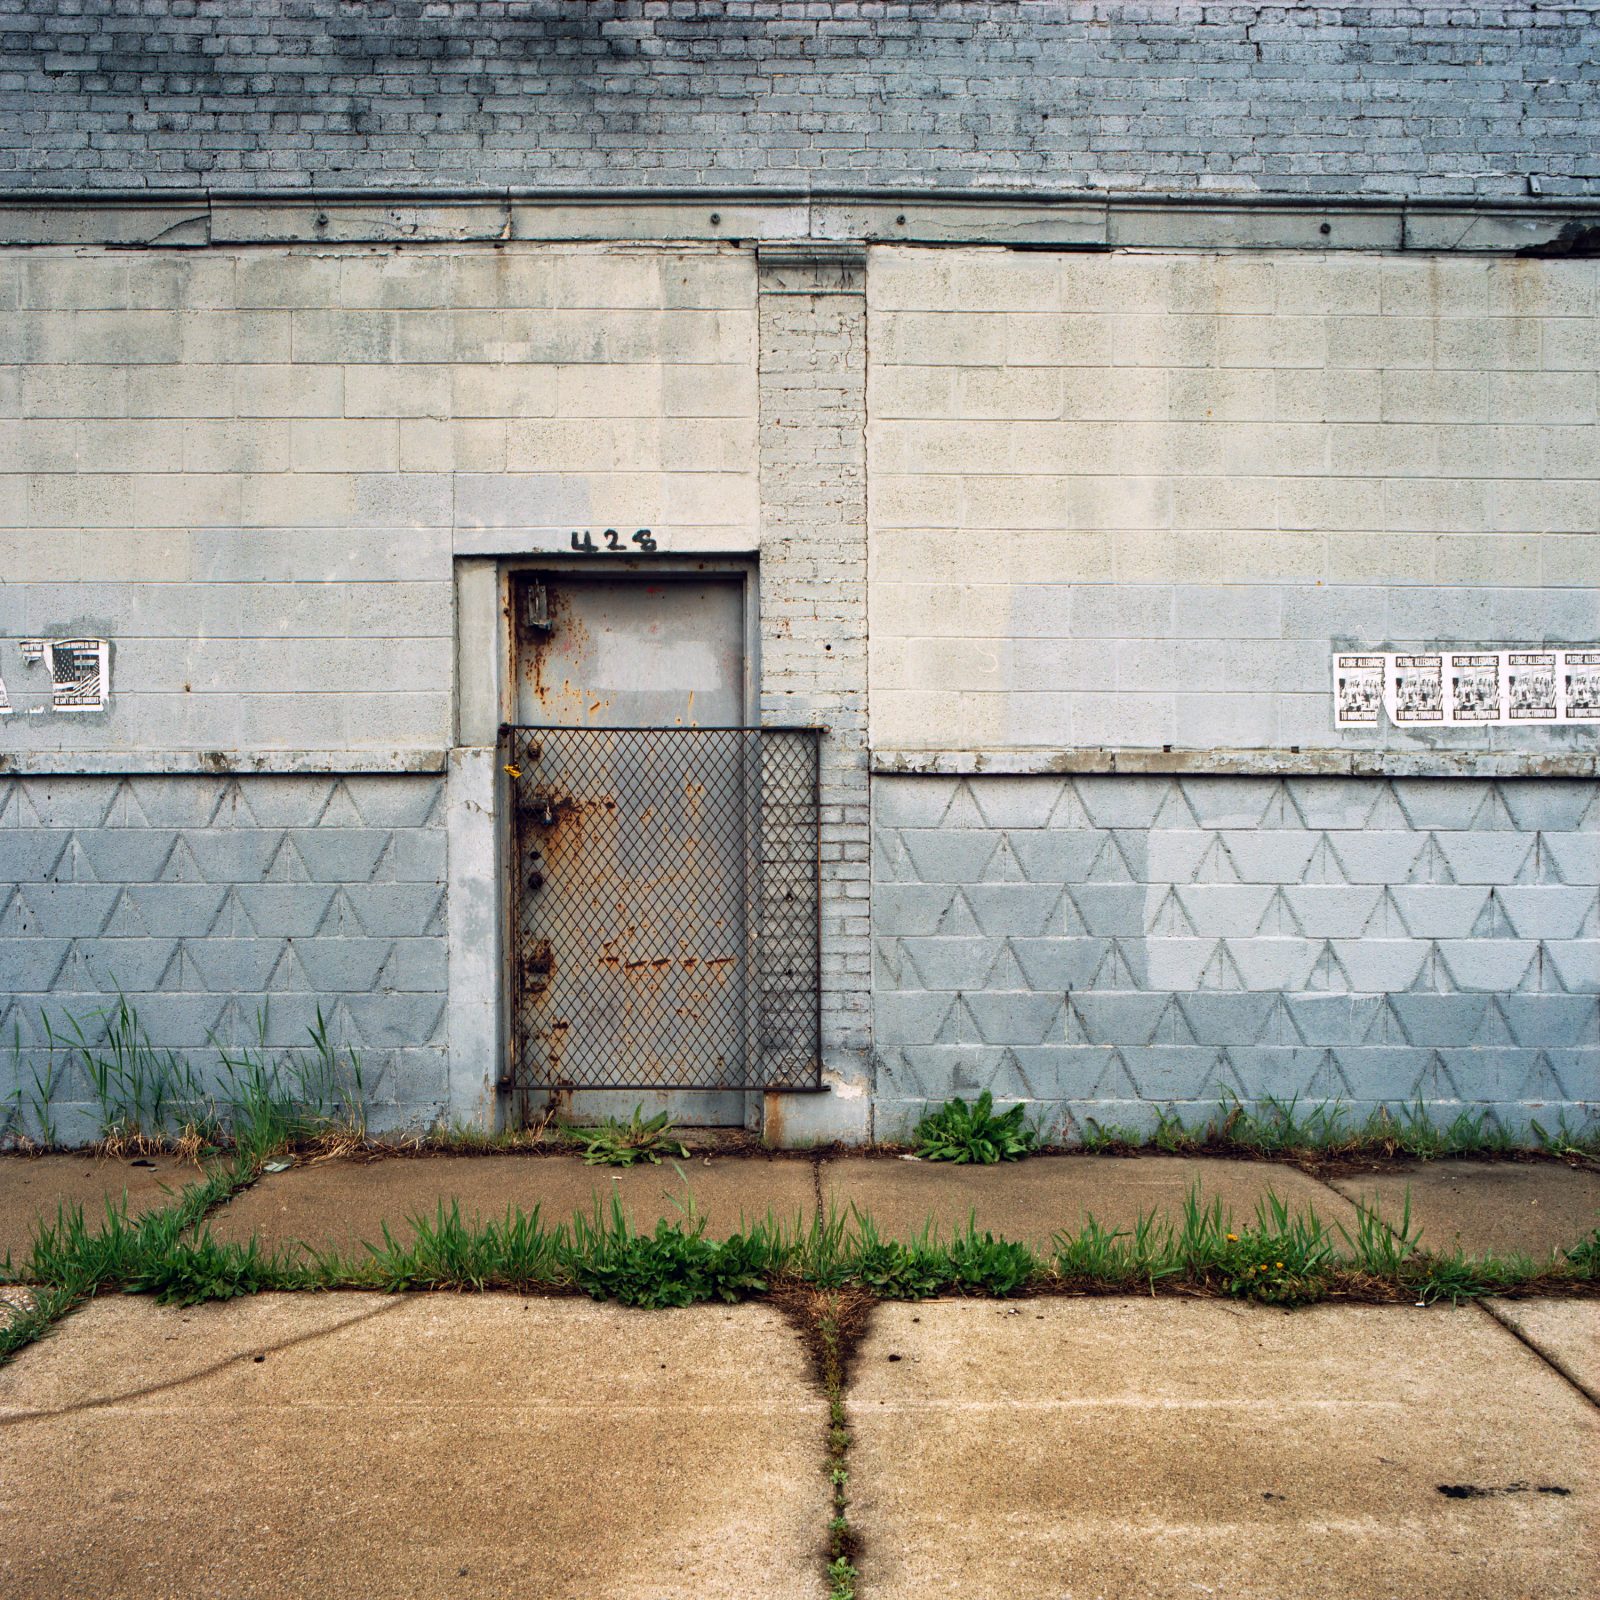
1110,948
227,910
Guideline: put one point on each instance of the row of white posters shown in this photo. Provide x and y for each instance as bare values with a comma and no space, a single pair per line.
1468,688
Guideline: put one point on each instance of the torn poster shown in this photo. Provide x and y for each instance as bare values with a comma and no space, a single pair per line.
1357,690
80,676
1415,688
1580,685
79,671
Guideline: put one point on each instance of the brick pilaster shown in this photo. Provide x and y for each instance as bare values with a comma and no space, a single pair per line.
813,370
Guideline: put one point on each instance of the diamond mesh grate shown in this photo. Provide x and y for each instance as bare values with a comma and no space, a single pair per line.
664,908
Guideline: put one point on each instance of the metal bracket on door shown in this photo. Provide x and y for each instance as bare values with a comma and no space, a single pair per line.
536,608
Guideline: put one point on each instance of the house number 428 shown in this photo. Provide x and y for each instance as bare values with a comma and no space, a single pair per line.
614,544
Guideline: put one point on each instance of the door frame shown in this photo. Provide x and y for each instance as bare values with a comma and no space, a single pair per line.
634,569
622,568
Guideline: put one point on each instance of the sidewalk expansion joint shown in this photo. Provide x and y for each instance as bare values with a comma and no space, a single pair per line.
1554,1363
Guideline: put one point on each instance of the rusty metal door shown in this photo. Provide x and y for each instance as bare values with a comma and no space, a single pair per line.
637,851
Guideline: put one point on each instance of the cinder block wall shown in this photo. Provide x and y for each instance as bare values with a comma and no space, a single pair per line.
251,469
1130,504
228,911
1106,948
1138,499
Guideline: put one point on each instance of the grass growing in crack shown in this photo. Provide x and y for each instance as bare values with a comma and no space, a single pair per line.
831,1322
614,1143
1281,1258
517,1252
963,1131
149,1099
165,1252
25,1320
1583,1259
1382,1249
1285,1259
840,1253
674,1266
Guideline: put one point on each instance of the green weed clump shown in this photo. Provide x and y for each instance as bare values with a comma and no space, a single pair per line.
674,1266
1284,1259
1583,1259
151,1099
965,1131
614,1143
444,1252
1285,1128
843,1253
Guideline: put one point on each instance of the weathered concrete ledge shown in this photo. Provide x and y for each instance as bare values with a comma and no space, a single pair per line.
1246,763
194,218
213,763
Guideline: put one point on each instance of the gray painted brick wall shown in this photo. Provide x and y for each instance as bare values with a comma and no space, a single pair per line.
1105,947
1336,98
813,355
220,905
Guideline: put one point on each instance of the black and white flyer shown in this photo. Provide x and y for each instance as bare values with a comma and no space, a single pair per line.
1530,686
1474,685
1579,685
1416,688
1357,690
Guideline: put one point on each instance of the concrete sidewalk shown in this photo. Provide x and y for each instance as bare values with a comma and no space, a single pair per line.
34,1188
1174,1448
359,1445
352,1445
1036,1199
1532,1207
347,1203
1505,1207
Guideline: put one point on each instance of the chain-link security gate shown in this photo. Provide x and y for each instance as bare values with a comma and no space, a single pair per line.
664,908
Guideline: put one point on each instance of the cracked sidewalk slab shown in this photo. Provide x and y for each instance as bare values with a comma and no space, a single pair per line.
1031,1201
1565,1332
35,1188
1483,1207
347,1203
1172,1448
357,1445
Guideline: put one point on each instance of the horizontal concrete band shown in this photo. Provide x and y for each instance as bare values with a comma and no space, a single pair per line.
211,763
196,218
1245,763
884,763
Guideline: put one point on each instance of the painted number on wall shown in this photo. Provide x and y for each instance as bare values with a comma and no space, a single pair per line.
613,543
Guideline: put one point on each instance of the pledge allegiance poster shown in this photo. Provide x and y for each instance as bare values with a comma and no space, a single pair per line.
1528,686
